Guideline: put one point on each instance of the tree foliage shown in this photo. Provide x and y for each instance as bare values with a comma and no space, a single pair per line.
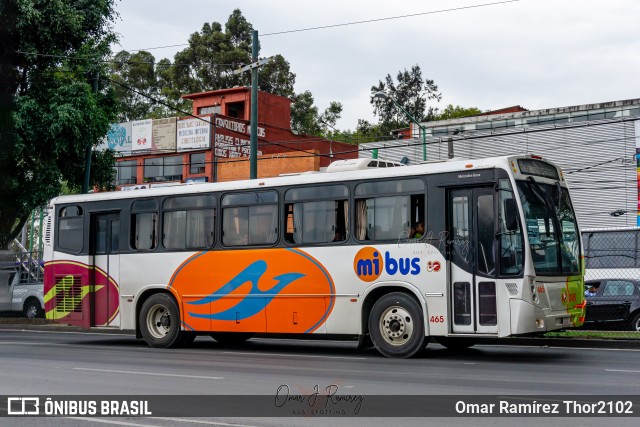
306,119
411,92
49,113
207,63
451,112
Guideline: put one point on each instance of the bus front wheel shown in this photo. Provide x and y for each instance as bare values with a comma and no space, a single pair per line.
396,325
160,322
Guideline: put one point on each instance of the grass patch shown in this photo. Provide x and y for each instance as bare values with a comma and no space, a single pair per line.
594,334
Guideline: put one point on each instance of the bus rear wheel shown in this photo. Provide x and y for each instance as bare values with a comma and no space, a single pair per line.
160,323
396,325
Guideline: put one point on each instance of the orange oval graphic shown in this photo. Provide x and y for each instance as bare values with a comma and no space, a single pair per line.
368,264
267,290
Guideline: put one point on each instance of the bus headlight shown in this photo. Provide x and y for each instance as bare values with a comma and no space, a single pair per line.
534,294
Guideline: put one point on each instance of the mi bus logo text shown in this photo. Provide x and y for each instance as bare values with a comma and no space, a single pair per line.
369,263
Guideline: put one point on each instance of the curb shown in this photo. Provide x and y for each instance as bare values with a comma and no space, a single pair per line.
43,325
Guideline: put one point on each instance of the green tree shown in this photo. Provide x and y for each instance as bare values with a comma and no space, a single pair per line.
306,119
49,113
137,71
451,112
411,92
207,63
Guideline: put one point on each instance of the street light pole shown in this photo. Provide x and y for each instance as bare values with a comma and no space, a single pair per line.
383,95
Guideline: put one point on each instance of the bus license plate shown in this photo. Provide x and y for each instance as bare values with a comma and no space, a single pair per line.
566,321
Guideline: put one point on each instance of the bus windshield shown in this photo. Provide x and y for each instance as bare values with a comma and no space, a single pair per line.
550,222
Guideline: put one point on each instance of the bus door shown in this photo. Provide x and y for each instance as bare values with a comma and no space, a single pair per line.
105,274
472,255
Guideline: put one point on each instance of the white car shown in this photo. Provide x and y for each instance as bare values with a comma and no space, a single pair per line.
24,298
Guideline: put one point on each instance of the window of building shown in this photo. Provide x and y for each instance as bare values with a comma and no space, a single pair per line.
126,172
196,163
188,222
160,169
312,220
390,210
250,218
215,109
70,228
236,109
144,224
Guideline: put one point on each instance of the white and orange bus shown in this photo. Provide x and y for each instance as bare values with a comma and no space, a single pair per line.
456,250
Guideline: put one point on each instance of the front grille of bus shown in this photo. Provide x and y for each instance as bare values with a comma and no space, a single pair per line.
69,294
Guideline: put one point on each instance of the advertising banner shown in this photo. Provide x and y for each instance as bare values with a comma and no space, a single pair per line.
118,138
193,134
141,135
232,137
164,135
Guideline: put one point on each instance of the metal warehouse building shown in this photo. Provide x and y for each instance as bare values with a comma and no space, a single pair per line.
595,145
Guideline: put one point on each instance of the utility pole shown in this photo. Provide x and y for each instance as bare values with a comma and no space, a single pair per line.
253,158
87,165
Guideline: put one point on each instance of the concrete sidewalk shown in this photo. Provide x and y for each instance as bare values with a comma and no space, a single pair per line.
20,323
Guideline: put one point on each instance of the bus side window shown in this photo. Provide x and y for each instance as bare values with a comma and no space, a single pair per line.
144,225
261,207
317,214
70,228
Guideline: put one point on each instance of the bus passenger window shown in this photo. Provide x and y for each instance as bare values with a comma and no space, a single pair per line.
317,215
188,222
70,229
255,223
144,224
387,210
143,228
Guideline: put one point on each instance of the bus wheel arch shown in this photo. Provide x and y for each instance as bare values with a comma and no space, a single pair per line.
393,318
158,320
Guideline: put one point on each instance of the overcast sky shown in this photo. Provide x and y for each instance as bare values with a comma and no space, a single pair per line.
533,53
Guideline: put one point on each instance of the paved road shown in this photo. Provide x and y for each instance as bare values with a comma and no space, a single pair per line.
55,363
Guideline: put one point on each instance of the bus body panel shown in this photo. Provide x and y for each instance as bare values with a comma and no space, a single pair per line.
283,288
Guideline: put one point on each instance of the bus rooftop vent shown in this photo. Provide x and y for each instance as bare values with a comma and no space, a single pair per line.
360,164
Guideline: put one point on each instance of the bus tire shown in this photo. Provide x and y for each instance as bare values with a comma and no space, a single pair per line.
396,325
457,344
231,338
32,309
160,322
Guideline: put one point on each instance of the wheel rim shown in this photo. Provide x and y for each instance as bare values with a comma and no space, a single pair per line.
637,324
159,321
32,312
396,326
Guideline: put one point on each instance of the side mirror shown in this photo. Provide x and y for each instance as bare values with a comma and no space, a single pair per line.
511,214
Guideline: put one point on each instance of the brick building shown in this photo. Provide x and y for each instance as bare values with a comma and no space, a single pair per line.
213,144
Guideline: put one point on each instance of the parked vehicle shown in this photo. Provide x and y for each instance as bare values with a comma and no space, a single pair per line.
20,297
616,302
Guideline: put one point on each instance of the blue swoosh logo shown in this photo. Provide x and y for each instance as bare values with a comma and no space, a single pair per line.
255,301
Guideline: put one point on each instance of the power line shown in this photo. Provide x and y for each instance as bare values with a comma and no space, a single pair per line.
368,21
455,9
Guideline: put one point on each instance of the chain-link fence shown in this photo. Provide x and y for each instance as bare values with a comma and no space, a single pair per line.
612,279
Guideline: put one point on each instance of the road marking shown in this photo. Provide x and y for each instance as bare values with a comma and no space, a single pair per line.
622,370
293,355
213,423
120,423
158,374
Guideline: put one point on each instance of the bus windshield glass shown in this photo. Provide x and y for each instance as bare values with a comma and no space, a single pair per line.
550,222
